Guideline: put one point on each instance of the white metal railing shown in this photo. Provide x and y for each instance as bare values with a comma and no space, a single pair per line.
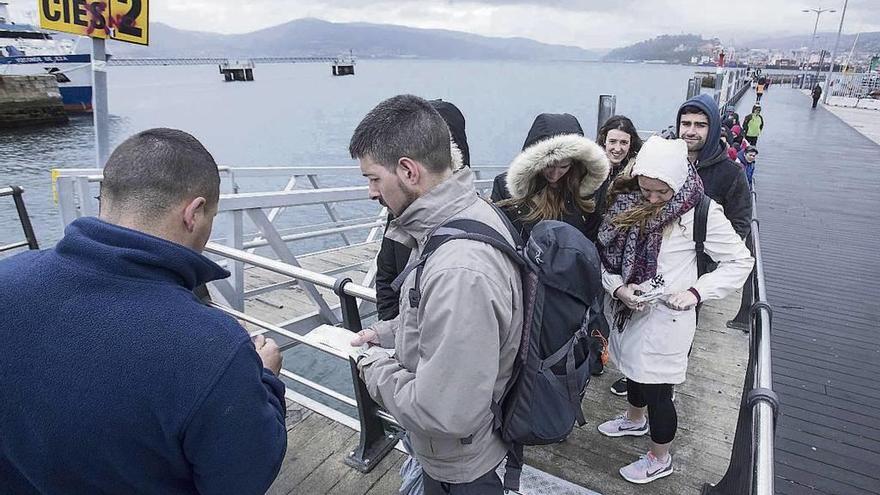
251,220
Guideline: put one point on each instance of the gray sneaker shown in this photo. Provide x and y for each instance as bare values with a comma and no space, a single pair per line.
622,426
647,469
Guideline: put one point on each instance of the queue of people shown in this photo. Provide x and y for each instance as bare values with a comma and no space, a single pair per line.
182,400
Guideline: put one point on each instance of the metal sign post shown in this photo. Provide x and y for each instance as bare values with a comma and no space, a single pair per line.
122,20
100,110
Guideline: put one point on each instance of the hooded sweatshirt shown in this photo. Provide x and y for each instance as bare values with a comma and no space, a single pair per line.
723,180
552,138
748,167
116,379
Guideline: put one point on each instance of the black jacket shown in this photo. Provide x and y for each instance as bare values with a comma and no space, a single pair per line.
390,261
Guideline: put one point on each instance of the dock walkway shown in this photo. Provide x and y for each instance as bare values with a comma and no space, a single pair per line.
818,187
707,404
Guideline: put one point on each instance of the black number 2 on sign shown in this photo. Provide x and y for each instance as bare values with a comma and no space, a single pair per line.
130,20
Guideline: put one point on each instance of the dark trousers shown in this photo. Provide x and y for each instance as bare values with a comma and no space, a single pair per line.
815,101
662,418
753,140
488,484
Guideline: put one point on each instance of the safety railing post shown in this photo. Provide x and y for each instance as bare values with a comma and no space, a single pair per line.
607,109
24,218
375,439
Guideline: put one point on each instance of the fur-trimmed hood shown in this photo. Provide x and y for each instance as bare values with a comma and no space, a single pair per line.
584,153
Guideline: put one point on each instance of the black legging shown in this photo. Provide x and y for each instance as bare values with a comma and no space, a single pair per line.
662,417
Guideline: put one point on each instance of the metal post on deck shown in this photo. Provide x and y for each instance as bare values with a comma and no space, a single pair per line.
833,54
693,88
100,110
607,109
375,439
24,218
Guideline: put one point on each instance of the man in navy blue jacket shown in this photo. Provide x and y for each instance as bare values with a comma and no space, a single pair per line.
113,377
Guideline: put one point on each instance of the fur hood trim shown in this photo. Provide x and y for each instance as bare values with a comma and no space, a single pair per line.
584,153
457,157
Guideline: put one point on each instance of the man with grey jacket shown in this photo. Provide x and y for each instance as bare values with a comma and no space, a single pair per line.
453,351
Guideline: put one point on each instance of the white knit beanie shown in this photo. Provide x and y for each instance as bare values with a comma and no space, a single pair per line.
663,159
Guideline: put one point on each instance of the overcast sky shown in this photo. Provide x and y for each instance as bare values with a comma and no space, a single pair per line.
584,23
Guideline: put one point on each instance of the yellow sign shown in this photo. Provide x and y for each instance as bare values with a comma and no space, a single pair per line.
123,20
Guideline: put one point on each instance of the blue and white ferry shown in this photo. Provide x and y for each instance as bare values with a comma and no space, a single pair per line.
25,50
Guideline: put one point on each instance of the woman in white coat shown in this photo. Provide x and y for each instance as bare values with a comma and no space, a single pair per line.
650,271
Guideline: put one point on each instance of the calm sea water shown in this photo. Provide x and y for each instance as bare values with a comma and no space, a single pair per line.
301,115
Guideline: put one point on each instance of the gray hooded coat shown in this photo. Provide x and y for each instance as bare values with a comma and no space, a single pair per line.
454,353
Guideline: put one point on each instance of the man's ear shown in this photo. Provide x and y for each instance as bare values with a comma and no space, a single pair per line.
408,170
193,210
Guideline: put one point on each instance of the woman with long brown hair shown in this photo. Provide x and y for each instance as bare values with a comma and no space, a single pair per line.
649,260
555,177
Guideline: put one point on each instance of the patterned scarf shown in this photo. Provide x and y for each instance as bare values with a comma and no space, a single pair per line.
631,251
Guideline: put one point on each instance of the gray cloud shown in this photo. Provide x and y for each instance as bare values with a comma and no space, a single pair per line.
585,23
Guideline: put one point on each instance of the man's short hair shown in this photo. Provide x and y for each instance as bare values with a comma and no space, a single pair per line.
403,126
157,169
689,109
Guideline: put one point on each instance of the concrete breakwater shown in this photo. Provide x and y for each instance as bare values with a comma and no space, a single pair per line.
30,100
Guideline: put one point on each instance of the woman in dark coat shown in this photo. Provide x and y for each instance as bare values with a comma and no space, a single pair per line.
555,177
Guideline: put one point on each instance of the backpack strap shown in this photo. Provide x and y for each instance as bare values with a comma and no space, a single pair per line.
701,218
513,467
455,230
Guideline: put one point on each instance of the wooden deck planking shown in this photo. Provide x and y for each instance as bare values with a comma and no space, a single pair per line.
818,192
707,405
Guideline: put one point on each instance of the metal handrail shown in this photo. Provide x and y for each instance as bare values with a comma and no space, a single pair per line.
766,405
377,436
281,268
751,468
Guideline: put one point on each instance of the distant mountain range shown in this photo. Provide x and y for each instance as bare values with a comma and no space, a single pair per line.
315,37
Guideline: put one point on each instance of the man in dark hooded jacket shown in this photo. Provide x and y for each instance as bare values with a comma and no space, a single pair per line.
699,124
393,256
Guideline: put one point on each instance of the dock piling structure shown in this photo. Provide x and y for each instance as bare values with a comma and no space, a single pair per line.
607,109
237,70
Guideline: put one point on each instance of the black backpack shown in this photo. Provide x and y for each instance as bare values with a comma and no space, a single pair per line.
562,292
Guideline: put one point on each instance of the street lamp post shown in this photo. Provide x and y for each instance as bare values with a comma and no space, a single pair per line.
833,54
818,13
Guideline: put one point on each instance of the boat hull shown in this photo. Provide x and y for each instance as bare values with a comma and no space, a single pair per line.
71,71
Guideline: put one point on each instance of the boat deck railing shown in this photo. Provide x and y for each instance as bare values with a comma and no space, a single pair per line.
30,239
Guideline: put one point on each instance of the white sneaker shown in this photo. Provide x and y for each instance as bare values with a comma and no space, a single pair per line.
647,469
622,426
